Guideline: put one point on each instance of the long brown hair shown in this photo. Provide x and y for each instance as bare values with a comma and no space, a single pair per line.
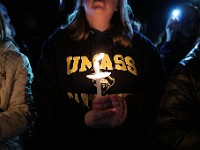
3,29
122,23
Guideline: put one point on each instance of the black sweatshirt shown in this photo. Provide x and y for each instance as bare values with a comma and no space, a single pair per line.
62,91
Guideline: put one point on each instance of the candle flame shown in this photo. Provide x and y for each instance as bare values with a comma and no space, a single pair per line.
96,65
97,75
100,75
99,57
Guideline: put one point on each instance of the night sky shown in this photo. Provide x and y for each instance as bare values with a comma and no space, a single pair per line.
35,20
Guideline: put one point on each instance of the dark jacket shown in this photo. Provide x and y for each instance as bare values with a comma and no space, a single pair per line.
173,52
62,91
179,115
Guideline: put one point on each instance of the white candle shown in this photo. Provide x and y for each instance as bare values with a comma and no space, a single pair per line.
96,67
98,84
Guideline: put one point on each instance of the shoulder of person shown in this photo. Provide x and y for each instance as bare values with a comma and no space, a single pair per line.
142,41
11,53
8,46
137,35
194,53
60,32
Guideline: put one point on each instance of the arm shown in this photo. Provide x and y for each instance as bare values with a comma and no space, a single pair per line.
16,96
143,104
169,55
178,120
173,28
57,113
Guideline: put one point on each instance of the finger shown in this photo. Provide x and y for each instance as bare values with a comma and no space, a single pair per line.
101,99
99,115
102,119
116,100
102,106
121,108
172,23
123,111
102,102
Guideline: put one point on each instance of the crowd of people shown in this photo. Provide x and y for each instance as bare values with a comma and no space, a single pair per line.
101,83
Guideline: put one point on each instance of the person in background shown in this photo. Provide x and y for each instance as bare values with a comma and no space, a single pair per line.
178,122
98,38
16,101
17,39
180,36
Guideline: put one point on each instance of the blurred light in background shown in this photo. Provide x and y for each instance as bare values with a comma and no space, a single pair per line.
61,5
176,13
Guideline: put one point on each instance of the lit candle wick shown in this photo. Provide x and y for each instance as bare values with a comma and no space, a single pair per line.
96,64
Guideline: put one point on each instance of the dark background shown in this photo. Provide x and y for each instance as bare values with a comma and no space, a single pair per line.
35,20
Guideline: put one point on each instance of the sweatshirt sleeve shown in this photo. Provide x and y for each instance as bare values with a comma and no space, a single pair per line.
17,96
143,104
152,77
56,112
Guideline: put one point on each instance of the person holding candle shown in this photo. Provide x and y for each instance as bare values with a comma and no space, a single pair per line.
70,113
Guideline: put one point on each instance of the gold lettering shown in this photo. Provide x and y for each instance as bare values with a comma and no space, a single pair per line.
85,98
106,63
119,63
74,65
71,96
131,65
85,63
77,98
